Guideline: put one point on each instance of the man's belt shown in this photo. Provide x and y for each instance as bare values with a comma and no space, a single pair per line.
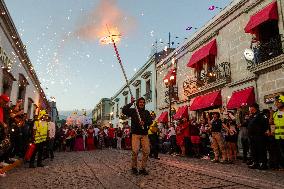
279,127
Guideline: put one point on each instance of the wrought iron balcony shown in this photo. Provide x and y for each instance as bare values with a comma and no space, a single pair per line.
217,76
269,55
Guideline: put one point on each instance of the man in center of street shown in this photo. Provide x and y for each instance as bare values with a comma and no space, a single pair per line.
139,131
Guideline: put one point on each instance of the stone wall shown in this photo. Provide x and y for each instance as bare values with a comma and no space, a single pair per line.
231,43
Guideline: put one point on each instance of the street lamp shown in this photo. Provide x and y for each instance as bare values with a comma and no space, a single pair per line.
170,81
110,116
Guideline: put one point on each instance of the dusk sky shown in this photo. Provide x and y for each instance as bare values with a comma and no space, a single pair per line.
62,39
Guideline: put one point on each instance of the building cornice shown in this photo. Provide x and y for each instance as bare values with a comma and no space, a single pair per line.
19,48
208,29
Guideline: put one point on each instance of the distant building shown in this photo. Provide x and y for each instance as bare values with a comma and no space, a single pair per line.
102,112
53,112
18,79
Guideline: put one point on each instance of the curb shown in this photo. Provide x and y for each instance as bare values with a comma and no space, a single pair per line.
11,166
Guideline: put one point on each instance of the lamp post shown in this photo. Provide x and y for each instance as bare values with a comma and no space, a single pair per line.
169,82
110,116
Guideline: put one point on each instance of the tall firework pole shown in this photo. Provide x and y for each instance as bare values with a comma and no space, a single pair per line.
123,71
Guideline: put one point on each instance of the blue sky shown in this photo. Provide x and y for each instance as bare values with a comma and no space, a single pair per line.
79,71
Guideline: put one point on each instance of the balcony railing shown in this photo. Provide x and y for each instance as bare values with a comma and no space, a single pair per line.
148,96
219,75
266,51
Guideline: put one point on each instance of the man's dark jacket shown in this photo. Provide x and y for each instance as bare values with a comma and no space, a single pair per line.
145,116
258,125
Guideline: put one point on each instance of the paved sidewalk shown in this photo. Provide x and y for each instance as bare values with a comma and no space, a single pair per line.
110,169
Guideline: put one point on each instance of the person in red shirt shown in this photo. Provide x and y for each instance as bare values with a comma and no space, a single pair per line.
180,138
4,155
186,134
111,135
90,138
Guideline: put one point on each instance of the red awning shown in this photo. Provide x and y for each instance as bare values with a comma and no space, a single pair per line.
163,117
268,13
209,49
241,98
207,101
182,112
171,72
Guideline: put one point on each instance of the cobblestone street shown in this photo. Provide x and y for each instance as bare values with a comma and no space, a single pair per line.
110,169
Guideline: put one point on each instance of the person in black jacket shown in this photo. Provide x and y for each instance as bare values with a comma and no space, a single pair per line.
139,131
257,127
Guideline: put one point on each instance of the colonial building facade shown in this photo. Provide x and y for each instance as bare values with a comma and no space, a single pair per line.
142,84
234,60
102,112
18,79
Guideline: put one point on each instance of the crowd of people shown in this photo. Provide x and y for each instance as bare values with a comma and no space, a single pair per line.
18,133
255,136
91,137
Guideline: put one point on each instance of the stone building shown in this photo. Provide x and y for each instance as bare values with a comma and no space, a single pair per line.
18,79
212,71
102,112
142,84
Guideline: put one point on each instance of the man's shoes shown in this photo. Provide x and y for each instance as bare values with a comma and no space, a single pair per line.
134,171
223,161
249,162
40,165
3,174
4,164
13,159
253,166
9,161
214,160
143,172
262,166
31,166
230,161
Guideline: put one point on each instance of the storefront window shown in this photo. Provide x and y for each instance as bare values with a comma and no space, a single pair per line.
137,93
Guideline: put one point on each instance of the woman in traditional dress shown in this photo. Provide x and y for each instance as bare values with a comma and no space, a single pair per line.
90,139
79,142
180,138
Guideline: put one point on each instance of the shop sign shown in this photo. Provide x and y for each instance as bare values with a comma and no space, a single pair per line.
269,99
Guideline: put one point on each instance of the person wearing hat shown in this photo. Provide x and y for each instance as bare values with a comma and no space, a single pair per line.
278,119
153,135
40,136
4,133
257,127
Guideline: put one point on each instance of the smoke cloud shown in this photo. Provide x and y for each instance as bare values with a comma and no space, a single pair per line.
107,13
